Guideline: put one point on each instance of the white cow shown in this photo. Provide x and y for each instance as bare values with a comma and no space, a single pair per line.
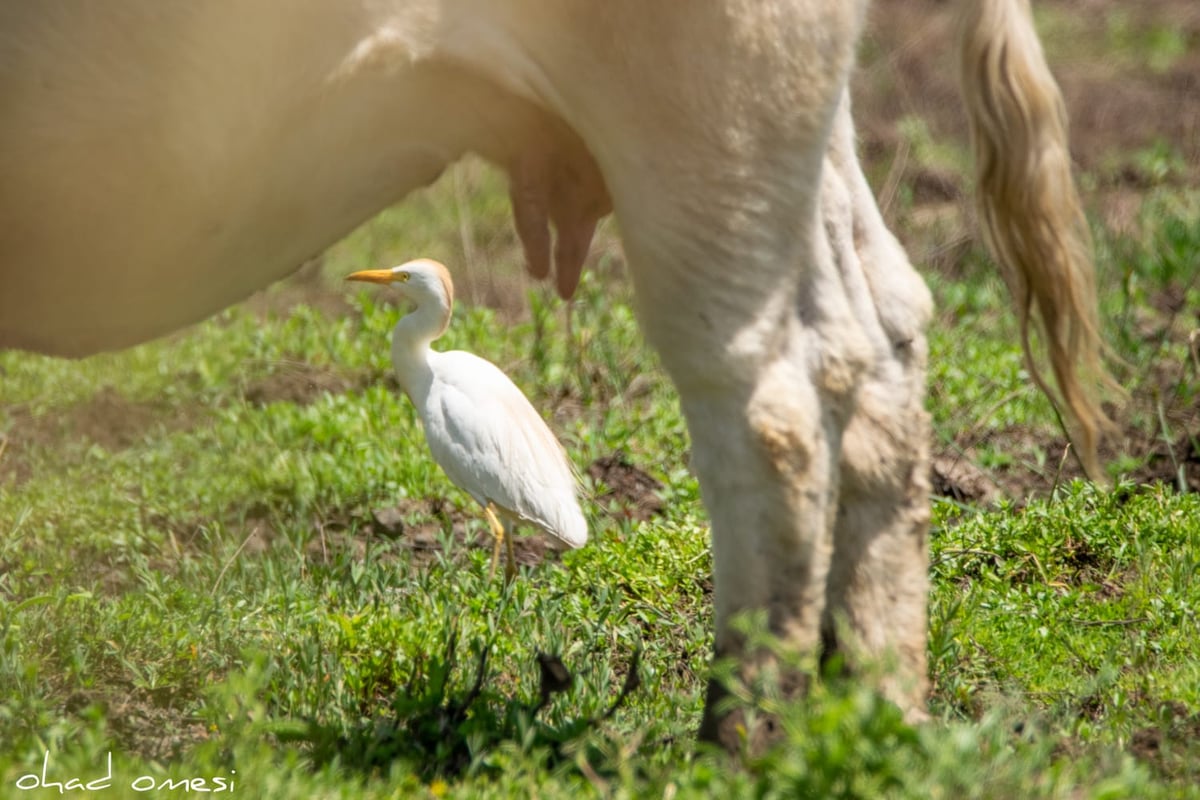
160,160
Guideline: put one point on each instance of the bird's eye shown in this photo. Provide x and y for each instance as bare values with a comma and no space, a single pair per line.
403,276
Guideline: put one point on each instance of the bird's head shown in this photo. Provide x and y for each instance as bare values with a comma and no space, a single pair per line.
423,281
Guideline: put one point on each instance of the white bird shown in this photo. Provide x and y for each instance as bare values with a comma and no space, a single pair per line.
482,431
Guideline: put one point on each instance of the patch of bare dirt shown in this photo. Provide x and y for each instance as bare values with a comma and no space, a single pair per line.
628,491
1177,464
114,422
425,526
420,526
958,479
1156,435
107,419
1167,747
302,383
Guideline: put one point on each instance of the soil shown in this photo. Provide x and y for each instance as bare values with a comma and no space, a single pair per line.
957,478
424,527
627,491
114,422
301,383
108,419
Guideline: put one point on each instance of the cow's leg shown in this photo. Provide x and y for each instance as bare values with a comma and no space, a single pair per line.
876,599
767,374
738,288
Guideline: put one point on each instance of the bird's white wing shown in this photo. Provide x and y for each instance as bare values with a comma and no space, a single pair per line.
492,443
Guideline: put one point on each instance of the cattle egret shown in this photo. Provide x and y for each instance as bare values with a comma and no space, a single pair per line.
481,429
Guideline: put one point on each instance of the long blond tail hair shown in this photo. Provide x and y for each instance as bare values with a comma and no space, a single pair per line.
1029,210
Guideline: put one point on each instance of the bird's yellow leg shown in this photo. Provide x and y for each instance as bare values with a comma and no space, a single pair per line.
510,565
498,532
489,511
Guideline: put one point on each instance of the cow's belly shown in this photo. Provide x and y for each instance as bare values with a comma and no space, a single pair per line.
155,249
165,161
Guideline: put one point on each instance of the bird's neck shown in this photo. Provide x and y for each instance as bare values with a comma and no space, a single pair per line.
411,353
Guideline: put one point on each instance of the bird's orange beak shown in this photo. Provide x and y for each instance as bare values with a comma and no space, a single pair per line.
372,276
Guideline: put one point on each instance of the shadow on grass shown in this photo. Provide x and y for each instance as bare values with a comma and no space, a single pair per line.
440,733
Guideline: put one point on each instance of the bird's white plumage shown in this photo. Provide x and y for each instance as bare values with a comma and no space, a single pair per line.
481,430
491,442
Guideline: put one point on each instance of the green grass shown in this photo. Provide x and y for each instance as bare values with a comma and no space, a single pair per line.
192,577
1129,40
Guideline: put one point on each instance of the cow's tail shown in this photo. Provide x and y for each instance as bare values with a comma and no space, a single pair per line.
1029,210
